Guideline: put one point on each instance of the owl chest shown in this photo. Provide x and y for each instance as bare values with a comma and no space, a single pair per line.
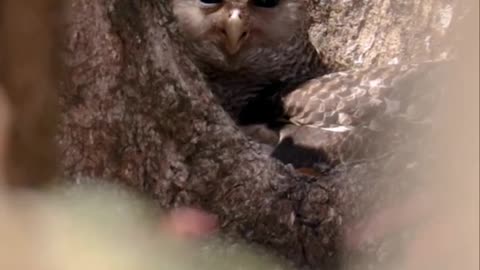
258,76
237,89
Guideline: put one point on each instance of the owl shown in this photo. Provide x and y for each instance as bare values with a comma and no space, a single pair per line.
258,60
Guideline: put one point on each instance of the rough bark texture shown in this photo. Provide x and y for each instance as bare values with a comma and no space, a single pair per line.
377,32
136,111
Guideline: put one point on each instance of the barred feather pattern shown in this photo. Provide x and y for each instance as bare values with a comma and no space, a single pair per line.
358,114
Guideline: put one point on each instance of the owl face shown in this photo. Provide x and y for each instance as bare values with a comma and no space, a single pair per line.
234,26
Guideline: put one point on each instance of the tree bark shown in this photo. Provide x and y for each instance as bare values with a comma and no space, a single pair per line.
378,32
135,110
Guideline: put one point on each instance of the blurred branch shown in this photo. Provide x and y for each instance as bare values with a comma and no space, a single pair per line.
29,73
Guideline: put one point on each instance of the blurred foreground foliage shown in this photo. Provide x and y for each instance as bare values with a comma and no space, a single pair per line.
104,228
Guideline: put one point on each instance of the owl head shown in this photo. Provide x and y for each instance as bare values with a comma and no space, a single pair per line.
234,26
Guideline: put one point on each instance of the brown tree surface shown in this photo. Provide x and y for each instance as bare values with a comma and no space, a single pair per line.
136,111
377,32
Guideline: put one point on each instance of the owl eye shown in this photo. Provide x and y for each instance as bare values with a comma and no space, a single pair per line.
211,2
266,3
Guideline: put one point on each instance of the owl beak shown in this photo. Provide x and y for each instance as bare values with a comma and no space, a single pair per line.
235,32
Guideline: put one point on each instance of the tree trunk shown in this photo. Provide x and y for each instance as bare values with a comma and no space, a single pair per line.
136,111
377,32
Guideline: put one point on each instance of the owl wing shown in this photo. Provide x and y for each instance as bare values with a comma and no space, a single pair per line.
345,100
344,116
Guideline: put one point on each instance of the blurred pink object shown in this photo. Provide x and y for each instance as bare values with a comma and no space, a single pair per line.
190,223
